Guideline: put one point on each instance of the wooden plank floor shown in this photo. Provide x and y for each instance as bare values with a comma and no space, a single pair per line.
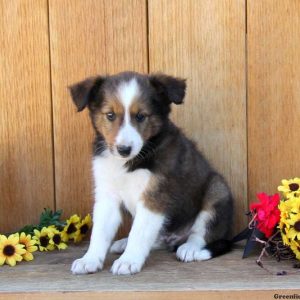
48,276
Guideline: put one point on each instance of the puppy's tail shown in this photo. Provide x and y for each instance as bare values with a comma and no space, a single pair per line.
218,248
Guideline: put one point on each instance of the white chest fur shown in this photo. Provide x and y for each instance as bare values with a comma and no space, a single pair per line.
112,180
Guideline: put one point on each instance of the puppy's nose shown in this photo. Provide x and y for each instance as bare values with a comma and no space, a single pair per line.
124,150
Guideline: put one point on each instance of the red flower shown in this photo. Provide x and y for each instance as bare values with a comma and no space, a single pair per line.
267,213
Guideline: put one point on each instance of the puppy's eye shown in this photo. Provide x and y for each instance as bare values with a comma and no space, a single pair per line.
140,117
111,116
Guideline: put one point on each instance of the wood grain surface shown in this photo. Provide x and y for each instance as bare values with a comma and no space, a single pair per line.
273,93
162,274
87,38
204,41
26,160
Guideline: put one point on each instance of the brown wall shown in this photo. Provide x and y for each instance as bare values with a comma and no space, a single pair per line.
241,59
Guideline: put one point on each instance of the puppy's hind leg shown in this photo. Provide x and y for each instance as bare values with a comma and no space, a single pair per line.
212,227
119,246
193,248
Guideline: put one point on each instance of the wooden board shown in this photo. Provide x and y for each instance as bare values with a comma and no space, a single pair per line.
26,168
273,93
87,38
204,41
50,274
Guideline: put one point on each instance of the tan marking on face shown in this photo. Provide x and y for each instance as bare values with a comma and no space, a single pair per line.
108,128
113,105
139,106
151,125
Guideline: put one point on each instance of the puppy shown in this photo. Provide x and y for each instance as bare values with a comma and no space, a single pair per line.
143,163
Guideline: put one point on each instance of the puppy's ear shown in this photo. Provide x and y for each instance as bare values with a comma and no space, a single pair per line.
171,89
84,92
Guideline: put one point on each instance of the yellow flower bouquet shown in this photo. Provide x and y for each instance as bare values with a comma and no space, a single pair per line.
51,233
275,224
289,207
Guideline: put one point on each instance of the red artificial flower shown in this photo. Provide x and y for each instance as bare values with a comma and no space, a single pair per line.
267,213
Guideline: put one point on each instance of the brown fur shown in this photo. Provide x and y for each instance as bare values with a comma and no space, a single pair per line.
109,129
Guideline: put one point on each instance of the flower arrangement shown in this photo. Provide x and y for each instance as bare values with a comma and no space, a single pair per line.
275,224
51,233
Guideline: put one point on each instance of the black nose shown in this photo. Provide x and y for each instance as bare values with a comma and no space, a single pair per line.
124,150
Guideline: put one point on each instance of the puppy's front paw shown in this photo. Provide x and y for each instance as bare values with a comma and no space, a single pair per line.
188,252
86,265
119,246
123,266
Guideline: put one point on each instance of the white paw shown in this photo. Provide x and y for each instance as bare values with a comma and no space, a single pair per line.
188,252
123,266
86,265
119,246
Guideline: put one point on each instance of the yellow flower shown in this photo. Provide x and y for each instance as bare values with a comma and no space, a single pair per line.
285,239
283,229
290,188
289,224
294,229
295,246
82,228
285,207
56,239
290,206
10,250
29,245
70,229
42,238
295,205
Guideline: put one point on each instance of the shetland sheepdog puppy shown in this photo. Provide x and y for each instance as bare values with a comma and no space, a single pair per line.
144,164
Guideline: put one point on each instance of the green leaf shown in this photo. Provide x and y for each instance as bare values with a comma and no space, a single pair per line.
48,218
28,229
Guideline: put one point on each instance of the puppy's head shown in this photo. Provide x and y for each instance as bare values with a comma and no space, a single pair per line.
128,109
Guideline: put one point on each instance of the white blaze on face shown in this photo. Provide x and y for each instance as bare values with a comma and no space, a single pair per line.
128,135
